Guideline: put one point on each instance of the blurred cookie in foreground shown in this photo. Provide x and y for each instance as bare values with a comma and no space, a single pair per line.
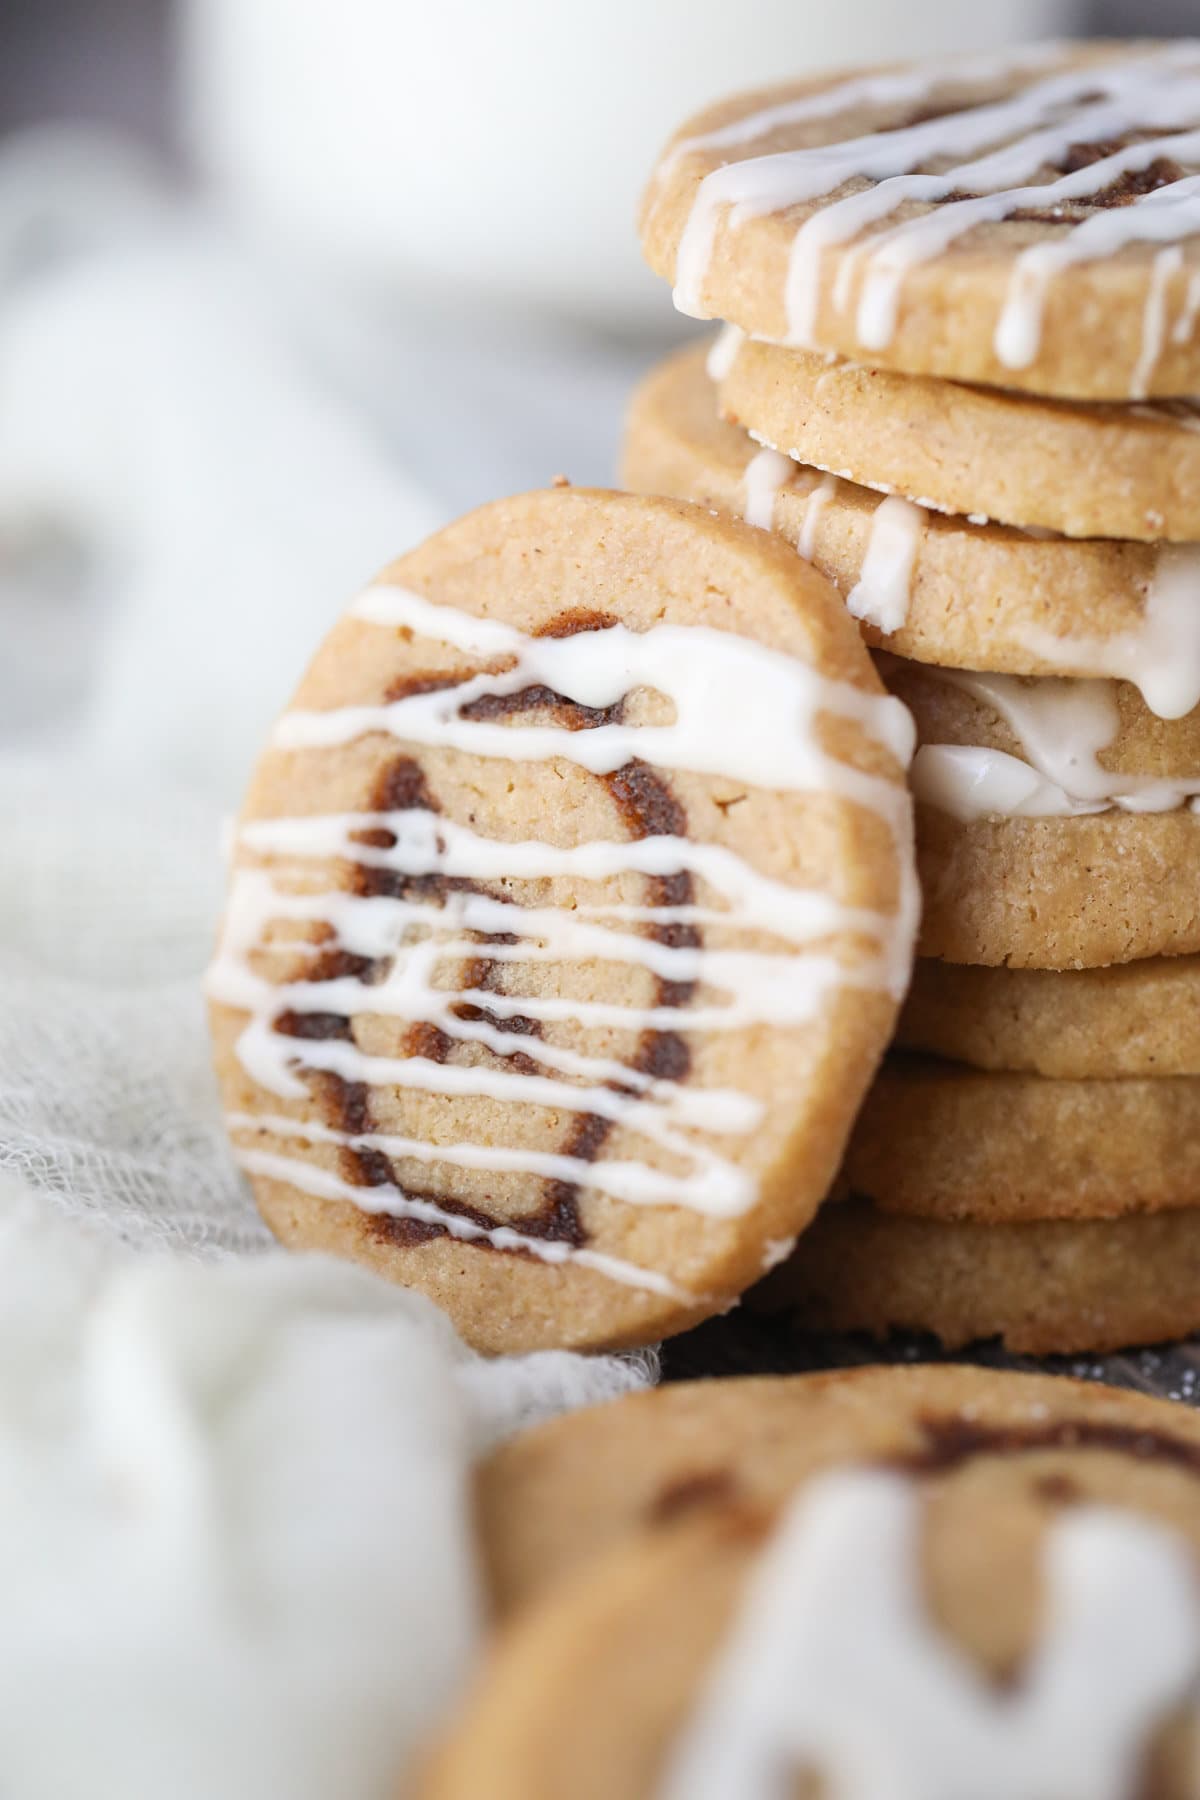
936,1581
571,909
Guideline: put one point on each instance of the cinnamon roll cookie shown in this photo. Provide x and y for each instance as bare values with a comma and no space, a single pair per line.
845,1607
1026,220
571,908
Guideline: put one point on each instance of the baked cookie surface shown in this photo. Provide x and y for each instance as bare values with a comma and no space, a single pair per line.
938,1140
571,908
1044,1287
1136,1019
931,586
1026,220
1050,893
927,1515
1088,471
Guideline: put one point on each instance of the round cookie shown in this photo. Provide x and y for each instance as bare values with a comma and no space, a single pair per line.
1058,1286
1132,1019
1059,893
1024,220
568,1490
937,1140
929,586
1089,471
571,908
727,1653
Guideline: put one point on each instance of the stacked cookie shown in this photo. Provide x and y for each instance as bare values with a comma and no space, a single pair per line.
963,303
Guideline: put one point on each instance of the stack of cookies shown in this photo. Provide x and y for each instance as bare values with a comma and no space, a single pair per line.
963,306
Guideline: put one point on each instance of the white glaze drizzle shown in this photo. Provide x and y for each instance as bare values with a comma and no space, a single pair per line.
976,782
1185,324
324,1185
818,500
1036,126
881,593
723,352
899,88
833,1665
1167,214
1165,267
765,474
1161,656
744,691
1062,725
767,184
723,687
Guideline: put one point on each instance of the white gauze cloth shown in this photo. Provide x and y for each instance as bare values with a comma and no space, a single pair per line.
234,1549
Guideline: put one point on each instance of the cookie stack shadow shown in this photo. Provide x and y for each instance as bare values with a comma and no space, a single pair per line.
1026,566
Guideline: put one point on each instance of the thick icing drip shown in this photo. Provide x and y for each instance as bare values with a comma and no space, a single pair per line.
1062,726
1006,143
399,944
974,782
834,1667
1162,656
723,687
881,593
765,474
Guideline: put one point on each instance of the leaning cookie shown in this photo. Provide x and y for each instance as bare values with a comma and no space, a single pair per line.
1025,219
571,908
1041,1287
874,1555
932,586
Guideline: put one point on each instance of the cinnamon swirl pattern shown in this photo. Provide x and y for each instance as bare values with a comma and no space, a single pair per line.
571,909
971,219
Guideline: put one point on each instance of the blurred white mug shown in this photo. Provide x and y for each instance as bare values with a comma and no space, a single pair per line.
494,150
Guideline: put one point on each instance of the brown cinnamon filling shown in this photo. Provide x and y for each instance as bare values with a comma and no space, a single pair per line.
648,809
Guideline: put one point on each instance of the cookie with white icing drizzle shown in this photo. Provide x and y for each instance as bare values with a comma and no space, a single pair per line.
1042,1288
912,1583
571,907
1086,470
926,585
939,1140
1140,1018
1030,219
